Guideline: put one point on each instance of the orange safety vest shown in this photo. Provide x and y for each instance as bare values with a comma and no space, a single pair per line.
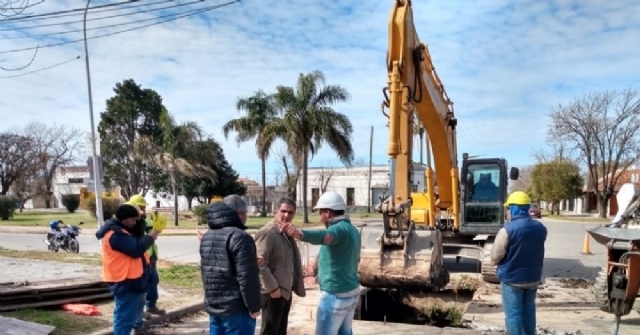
118,267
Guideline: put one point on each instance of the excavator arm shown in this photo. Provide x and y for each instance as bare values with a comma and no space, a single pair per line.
401,256
414,87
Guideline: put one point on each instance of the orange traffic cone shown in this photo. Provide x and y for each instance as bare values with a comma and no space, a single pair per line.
586,250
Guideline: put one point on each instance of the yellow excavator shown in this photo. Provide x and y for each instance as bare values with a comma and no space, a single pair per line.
450,217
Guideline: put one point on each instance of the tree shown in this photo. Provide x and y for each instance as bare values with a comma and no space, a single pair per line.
290,171
556,180
602,128
17,155
132,113
180,153
225,181
323,177
309,120
27,185
260,111
11,10
56,146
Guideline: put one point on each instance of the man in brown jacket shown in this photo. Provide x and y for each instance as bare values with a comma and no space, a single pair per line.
280,270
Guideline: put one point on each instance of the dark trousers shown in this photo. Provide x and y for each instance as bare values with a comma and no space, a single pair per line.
152,291
275,315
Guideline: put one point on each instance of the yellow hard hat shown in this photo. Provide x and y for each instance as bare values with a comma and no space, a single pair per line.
137,200
518,198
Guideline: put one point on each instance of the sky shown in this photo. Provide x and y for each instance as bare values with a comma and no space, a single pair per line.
504,64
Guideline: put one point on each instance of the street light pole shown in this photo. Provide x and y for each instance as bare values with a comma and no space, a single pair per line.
97,182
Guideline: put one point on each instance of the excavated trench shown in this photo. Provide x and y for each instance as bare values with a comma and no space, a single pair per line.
439,309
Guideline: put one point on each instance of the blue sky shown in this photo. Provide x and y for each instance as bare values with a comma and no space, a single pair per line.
505,64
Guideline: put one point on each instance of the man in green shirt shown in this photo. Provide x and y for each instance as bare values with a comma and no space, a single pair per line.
337,265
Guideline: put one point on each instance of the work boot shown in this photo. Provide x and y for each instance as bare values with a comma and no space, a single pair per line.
155,311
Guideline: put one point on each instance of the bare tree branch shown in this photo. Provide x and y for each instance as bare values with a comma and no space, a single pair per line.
289,170
602,128
17,155
323,177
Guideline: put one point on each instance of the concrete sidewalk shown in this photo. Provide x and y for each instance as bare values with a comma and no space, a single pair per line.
168,231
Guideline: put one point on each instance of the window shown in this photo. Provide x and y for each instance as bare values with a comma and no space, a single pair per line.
350,195
482,193
75,180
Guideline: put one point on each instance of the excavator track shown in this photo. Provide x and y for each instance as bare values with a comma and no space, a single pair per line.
489,272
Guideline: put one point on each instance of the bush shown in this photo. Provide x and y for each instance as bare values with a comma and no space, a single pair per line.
200,212
71,202
8,205
109,206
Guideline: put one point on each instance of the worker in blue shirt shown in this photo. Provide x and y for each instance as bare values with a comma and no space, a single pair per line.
54,226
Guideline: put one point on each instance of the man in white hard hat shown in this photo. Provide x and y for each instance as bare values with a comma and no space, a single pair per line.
337,264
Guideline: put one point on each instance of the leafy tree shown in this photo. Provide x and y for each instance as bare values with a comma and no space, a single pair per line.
180,153
71,202
260,111
556,180
132,113
603,128
309,120
224,183
7,206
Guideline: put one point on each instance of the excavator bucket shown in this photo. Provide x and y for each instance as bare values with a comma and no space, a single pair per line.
605,235
412,261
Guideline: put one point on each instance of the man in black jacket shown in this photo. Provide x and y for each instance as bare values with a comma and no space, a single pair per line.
230,273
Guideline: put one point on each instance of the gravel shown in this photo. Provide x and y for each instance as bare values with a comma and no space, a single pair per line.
493,330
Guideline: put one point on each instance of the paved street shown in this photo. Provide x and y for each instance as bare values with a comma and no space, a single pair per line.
564,245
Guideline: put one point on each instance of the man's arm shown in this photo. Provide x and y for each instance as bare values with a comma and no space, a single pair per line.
333,235
499,249
130,245
264,246
243,251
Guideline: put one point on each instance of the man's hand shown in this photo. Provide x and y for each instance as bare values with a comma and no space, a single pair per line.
260,261
255,315
276,294
292,231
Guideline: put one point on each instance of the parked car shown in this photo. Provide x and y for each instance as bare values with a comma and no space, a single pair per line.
535,212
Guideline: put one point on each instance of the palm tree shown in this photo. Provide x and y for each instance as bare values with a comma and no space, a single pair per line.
308,121
178,154
260,111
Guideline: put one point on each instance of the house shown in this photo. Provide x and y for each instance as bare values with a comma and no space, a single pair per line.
352,183
588,202
67,180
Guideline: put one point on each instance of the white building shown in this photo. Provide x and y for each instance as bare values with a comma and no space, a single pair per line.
352,183
68,180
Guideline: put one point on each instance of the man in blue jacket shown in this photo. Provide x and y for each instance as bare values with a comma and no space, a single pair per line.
519,252
126,267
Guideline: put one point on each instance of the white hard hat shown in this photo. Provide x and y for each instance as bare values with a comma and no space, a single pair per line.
331,200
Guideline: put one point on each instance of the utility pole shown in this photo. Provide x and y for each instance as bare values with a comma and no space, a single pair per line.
97,175
369,191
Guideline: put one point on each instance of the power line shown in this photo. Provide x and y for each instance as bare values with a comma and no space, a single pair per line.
42,69
101,27
179,16
106,17
80,11
74,11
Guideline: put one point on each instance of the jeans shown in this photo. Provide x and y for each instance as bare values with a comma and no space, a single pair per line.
519,304
336,311
152,291
237,324
127,313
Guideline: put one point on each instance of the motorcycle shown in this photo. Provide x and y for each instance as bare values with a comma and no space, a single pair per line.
66,239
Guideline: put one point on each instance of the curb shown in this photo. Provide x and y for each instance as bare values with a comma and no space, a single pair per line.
172,314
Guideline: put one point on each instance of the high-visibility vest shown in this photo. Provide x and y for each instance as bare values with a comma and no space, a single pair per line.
118,267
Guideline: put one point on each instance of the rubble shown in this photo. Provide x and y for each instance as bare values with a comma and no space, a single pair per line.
494,330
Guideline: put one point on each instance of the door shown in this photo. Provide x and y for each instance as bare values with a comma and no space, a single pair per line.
350,196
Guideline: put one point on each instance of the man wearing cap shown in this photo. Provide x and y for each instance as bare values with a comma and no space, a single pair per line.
519,253
125,267
151,298
337,264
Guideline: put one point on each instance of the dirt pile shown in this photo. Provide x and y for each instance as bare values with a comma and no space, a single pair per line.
493,330
576,283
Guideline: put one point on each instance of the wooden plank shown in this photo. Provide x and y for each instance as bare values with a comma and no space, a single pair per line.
53,282
47,295
57,302
51,287
11,326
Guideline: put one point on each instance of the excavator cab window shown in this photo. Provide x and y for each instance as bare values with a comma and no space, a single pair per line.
482,200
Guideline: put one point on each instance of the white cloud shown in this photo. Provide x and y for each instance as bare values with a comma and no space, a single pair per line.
504,66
